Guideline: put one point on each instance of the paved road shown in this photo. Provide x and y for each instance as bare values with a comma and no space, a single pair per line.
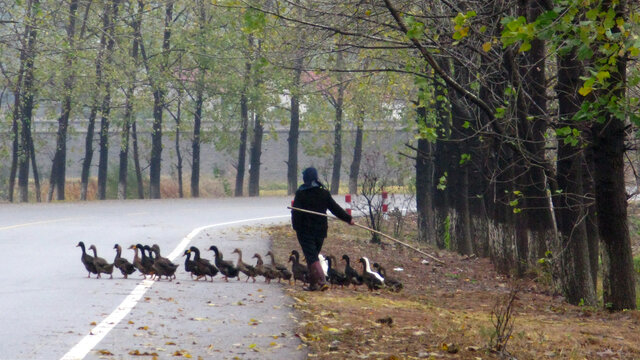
50,310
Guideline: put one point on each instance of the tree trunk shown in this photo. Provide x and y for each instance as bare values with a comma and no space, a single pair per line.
156,145
337,133
88,155
88,152
354,170
576,273
442,154
244,129
123,169
36,177
424,184
123,158
26,110
593,240
611,202
103,160
255,155
294,130
15,141
177,142
195,146
136,159
197,116
59,164
158,107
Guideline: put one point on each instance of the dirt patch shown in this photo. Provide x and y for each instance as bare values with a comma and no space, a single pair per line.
444,311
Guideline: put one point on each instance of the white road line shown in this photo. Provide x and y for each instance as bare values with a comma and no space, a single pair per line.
101,330
38,223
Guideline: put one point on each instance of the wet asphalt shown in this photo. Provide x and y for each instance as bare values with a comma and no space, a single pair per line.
51,310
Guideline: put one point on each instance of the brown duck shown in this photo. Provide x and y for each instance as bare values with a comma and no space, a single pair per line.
284,273
101,264
87,261
125,267
268,272
245,268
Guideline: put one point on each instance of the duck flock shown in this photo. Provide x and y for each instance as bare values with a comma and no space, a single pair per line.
148,261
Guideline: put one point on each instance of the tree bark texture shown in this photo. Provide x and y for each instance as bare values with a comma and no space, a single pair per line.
128,119
337,133
255,153
136,159
58,166
294,130
26,108
195,145
15,135
574,252
99,63
608,139
159,94
177,144
354,169
424,184
244,130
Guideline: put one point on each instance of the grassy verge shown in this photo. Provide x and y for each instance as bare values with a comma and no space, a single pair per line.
445,311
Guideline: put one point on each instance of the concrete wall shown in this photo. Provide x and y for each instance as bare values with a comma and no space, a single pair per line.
274,153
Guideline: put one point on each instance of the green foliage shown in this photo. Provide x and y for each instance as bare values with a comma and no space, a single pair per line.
254,20
447,233
442,182
415,28
598,35
219,175
112,181
569,135
462,24
464,158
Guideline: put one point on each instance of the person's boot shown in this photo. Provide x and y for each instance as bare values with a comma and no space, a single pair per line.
316,278
313,282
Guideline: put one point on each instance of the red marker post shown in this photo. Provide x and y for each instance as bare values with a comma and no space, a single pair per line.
385,205
347,199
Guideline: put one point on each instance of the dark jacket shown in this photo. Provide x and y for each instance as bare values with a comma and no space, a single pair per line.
316,199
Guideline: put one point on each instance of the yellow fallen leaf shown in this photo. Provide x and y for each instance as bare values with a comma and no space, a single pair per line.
143,328
273,343
93,323
105,352
252,346
330,329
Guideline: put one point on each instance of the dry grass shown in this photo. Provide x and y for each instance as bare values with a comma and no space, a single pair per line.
445,311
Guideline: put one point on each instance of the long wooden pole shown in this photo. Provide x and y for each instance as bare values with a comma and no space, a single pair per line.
372,230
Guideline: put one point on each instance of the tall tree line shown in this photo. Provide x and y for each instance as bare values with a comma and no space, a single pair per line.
505,94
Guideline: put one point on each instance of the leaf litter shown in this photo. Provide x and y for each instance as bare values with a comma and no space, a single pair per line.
443,311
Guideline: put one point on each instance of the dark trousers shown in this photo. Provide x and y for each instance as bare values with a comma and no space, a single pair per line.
311,246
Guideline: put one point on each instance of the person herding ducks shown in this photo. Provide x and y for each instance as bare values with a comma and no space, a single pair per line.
311,229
